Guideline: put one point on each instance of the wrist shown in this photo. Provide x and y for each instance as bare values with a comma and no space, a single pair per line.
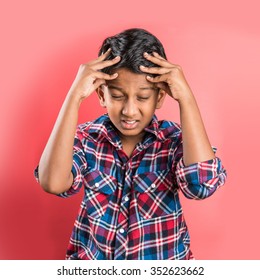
74,98
186,99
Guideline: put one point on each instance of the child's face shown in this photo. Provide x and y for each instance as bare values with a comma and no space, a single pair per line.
130,101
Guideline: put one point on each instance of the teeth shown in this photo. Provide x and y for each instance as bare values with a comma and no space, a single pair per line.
130,122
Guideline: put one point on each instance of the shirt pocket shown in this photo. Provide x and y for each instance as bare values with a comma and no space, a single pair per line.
154,194
98,192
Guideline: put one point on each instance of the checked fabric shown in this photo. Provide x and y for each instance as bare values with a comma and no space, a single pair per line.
131,208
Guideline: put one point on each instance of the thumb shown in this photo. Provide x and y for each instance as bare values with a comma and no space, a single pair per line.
162,86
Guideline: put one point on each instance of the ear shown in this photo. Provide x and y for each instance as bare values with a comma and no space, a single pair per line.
160,99
101,96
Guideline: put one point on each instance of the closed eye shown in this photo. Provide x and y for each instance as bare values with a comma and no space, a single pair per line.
117,96
142,98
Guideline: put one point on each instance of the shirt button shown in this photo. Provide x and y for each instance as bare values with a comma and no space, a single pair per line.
121,230
97,185
153,186
126,198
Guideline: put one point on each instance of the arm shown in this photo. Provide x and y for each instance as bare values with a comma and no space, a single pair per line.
196,146
56,161
198,172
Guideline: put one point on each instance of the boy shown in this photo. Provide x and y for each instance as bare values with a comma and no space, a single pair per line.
130,164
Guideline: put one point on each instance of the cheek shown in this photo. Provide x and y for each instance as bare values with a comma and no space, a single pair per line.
114,106
152,104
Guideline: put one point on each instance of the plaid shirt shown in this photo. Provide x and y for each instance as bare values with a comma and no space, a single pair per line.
131,208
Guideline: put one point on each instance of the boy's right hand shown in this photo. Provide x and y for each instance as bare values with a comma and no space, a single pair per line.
89,78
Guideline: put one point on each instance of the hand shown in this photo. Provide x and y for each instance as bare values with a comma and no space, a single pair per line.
170,77
89,78
196,145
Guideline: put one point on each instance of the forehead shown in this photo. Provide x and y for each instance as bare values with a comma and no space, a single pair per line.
127,79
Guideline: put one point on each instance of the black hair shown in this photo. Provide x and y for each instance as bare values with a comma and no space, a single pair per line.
130,45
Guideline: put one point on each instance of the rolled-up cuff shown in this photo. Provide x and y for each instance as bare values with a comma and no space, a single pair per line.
202,179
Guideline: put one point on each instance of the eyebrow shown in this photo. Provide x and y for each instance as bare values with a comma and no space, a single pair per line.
144,88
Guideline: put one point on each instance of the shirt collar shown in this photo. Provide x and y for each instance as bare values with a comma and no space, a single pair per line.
159,129
103,129
153,126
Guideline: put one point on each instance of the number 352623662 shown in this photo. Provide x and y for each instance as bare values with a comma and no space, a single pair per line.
182,270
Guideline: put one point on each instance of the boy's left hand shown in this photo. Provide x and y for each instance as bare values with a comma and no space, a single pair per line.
170,77
196,145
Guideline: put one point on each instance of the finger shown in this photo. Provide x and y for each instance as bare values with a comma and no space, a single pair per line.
162,58
104,76
155,70
106,63
99,82
101,79
158,56
100,58
158,79
162,85
156,60
104,55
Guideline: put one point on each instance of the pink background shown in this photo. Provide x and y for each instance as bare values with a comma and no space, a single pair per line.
42,45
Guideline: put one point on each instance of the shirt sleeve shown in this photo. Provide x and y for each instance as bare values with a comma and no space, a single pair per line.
79,165
200,180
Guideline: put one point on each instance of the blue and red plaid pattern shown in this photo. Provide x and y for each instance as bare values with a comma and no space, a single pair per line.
131,208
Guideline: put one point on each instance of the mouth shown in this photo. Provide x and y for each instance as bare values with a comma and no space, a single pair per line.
129,124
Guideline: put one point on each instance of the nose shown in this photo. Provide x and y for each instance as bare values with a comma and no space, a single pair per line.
130,108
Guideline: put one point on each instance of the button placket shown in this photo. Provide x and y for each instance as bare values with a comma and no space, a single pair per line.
122,223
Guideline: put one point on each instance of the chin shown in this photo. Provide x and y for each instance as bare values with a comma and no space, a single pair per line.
131,133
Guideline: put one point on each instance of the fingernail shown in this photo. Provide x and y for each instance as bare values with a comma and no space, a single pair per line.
117,57
141,66
149,77
146,54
